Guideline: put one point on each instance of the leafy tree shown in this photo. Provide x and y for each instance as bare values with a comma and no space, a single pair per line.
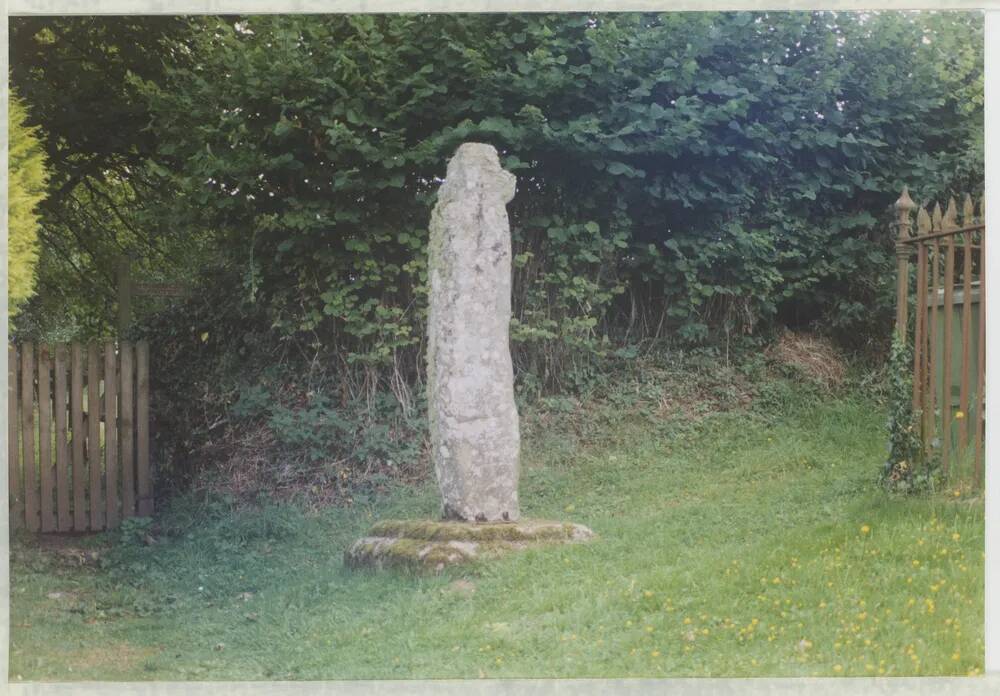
73,73
27,176
706,172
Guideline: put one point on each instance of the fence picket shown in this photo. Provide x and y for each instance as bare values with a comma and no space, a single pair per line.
920,329
929,347
127,432
47,480
963,403
64,521
111,433
946,363
31,518
78,436
94,436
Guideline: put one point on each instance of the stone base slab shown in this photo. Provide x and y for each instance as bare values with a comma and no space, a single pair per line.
433,545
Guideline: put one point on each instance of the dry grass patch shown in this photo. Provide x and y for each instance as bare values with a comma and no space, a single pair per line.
812,355
116,657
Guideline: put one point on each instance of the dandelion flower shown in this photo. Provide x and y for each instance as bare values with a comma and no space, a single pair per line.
865,529
956,536
959,415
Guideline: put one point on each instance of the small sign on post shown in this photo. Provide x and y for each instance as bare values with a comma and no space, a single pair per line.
128,287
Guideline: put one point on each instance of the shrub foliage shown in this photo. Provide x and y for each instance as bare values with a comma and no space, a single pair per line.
26,188
681,173
697,177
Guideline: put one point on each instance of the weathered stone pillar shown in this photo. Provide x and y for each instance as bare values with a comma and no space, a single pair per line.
470,392
473,419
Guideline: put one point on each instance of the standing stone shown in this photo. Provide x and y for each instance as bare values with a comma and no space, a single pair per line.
473,419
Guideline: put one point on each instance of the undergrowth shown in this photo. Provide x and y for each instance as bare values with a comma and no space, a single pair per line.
741,532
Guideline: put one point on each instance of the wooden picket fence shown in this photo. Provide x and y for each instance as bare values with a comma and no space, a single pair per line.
78,419
949,326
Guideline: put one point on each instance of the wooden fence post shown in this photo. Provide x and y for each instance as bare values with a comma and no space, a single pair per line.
124,294
903,207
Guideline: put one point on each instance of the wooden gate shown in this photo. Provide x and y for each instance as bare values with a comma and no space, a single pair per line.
78,433
949,327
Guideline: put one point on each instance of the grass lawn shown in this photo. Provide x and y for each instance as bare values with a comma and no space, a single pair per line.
744,543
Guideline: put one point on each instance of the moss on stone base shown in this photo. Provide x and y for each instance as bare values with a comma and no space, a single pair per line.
431,544
437,530
387,552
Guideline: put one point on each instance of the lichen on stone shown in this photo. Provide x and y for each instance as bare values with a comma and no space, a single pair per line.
472,414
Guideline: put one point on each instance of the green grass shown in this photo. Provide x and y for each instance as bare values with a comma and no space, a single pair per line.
748,543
